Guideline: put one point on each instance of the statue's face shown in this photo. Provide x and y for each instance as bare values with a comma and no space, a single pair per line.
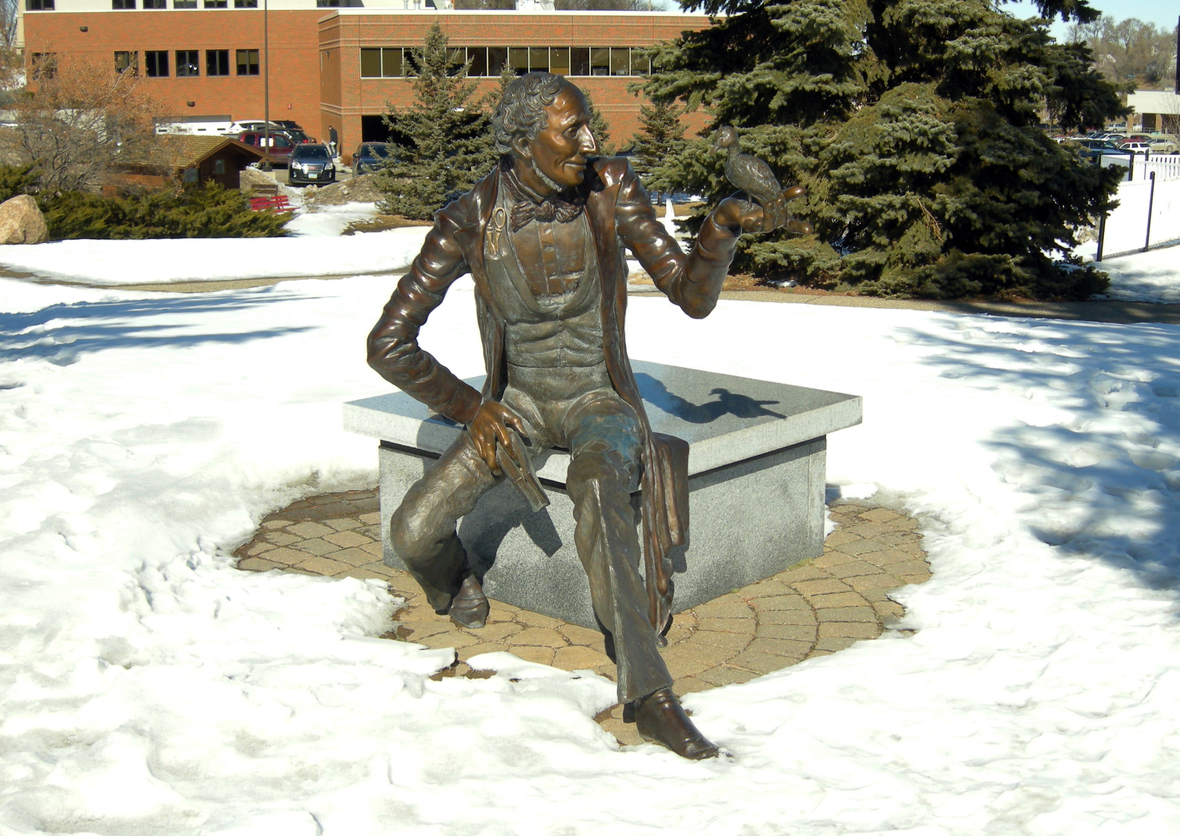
559,152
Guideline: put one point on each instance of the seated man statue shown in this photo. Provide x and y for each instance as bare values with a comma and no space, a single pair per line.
543,236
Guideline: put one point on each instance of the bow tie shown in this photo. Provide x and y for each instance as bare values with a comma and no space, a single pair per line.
552,209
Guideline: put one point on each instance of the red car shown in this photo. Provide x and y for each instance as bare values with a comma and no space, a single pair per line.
280,147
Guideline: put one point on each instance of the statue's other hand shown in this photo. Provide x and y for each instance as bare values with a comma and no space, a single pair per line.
490,426
737,211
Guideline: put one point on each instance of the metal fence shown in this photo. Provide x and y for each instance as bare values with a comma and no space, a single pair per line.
1148,210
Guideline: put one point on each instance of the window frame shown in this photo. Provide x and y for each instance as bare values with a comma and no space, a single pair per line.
238,63
186,63
214,68
151,63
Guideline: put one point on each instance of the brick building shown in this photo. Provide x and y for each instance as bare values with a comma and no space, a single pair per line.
334,64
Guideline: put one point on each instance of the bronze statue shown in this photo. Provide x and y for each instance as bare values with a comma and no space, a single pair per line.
543,236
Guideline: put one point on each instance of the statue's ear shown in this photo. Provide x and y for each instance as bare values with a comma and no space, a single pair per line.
520,148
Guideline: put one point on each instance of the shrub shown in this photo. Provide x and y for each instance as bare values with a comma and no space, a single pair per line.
208,211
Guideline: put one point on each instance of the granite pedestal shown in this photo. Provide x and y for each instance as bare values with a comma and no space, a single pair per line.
757,456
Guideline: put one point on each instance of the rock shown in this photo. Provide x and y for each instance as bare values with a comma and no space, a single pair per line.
21,222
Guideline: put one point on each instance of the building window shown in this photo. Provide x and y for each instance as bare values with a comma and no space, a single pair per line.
125,61
186,63
216,4
122,4
245,4
182,4
381,63
155,4
328,4
44,64
580,60
216,62
155,63
247,62
38,5
559,60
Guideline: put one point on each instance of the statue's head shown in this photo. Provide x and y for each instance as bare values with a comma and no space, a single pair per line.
543,123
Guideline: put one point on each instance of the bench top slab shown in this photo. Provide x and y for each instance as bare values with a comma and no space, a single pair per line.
725,419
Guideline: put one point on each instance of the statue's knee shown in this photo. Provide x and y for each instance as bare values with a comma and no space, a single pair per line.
404,532
604,467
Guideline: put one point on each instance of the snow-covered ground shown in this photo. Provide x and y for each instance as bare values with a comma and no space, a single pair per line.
147,687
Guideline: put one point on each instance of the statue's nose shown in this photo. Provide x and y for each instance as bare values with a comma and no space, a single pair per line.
588,144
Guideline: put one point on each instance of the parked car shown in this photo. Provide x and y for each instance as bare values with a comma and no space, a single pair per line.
310,164
253,125
1163,143
1135,138
1091,149
370,156
279,148
1136,147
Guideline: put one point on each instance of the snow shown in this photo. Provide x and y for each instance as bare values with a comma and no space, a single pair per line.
146,686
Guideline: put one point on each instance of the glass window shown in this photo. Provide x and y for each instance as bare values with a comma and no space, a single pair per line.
219,166
580,60
539,59
478,56
216,4
39,6
44,64
216,62
176,4
155,63
122,4
518,59
245,4
247,62
370,63
157,4
600,61
620,60
391,62
186,63
497,58
559,60
127,61
327,4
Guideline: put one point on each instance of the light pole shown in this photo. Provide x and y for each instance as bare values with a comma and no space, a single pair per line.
266,82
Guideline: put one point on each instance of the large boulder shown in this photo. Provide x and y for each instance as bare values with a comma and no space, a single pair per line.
21,222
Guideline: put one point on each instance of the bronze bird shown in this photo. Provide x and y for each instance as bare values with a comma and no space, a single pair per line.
748,173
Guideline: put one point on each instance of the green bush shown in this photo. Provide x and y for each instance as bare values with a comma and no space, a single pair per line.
208,211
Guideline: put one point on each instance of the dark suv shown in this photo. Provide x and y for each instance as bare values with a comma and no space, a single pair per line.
310,164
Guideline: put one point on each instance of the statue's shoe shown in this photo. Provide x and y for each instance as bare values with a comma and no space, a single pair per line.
469,608
660,719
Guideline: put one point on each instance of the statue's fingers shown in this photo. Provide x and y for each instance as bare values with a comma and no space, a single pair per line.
794,193
799,227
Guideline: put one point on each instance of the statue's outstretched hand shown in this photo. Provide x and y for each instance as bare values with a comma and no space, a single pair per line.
489,426
738,211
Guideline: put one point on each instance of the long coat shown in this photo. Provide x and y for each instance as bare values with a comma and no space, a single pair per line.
620,217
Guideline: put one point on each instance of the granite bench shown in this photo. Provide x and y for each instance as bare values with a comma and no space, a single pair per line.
757,458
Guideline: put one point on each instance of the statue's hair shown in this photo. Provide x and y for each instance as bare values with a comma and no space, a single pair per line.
521,113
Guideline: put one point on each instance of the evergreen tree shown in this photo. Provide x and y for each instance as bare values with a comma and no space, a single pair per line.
450,141
660,135
598,128
913,124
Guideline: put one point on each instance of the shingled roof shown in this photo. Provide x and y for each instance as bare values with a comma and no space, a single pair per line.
178,152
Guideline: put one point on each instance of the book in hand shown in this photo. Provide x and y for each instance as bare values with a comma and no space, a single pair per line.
515,462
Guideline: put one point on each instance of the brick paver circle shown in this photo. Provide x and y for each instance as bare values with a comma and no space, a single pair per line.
815,608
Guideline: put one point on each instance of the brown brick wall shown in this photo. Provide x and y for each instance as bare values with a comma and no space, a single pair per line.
315,67
294,49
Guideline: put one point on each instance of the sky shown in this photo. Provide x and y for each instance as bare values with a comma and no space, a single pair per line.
148,686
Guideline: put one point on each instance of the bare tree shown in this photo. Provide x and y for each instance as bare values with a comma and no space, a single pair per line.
8,22
1130,53
78,117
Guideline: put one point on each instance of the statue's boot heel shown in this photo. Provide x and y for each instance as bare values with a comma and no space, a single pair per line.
660,719
469,608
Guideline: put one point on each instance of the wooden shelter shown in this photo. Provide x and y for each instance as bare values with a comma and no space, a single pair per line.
167,159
